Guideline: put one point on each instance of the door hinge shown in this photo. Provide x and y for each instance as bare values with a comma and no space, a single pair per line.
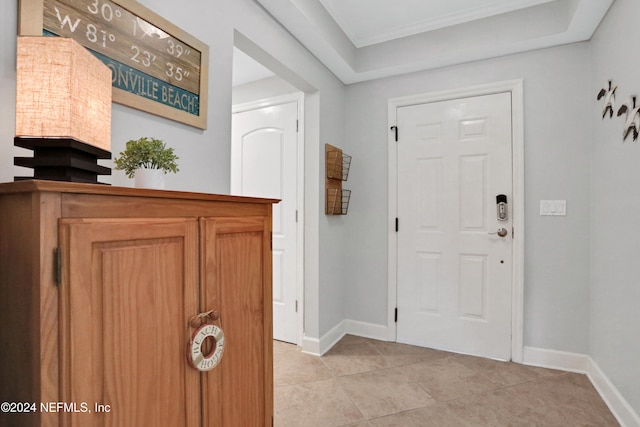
395,316
513,233
296,215
296,306
397,225
271,240
57,265
297,125
395,129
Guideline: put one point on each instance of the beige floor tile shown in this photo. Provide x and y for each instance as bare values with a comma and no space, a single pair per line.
478,364
352,339
502,373
496,409
447,379
363,382
403,354
352,356
320,403
438,369
384,392
455,388
510,373
524,405
567,399
291,366
282,346
439,415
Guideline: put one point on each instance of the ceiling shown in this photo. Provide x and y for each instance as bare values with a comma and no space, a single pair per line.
360,40
395,19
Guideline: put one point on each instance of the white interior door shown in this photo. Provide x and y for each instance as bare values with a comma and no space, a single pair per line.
454,276
264,164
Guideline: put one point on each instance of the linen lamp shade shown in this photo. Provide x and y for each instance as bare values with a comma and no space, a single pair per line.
62,91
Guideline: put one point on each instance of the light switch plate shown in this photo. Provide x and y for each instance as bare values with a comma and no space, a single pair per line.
553,207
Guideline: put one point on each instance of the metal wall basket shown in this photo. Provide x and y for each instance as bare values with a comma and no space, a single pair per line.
338,164
338,201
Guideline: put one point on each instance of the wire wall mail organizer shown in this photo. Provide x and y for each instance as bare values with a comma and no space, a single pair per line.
337,165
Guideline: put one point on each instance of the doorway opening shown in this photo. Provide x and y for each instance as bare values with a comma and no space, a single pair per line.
267,160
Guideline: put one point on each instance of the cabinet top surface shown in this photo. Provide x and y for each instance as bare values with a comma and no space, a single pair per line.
35,186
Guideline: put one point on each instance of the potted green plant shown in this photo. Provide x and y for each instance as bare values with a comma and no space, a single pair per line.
147,160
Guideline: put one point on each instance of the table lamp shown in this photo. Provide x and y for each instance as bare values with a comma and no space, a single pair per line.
63,109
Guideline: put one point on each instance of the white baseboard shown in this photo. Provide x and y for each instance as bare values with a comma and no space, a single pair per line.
311,345
584,364
320,346
554,359
366,330
619,406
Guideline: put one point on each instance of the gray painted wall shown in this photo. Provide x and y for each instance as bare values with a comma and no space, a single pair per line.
557,155
615,292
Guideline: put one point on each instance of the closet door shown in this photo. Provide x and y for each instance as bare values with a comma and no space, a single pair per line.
128,289
236,282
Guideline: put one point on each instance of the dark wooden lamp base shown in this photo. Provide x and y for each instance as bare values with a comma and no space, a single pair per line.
62,159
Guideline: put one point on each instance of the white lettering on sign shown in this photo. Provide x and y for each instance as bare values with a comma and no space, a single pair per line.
149,57
66,21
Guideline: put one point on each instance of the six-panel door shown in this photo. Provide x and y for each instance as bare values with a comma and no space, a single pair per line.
454,269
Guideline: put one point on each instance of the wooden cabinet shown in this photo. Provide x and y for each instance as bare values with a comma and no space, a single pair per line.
97,288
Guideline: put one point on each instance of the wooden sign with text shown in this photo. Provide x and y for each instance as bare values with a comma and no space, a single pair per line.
156,67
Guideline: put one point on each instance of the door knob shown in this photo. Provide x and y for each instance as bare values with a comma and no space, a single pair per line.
502,232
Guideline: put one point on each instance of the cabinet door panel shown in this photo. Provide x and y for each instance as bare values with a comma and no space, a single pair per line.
129,289
236,272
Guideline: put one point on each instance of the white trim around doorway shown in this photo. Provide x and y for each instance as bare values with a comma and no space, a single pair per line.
269,102
515,87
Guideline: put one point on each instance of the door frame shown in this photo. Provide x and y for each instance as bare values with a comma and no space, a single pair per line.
271,102
515,87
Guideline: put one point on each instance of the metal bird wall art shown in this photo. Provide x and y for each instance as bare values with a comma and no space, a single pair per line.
632,123
609,95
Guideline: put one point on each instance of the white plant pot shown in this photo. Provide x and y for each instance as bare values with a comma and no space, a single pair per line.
149,178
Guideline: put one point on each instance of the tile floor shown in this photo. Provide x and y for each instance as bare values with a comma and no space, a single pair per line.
363,382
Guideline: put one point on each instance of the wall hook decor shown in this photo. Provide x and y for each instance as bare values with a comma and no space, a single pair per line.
632,124
609,95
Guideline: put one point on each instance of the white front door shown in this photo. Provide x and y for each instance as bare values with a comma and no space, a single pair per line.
454,272
264,164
